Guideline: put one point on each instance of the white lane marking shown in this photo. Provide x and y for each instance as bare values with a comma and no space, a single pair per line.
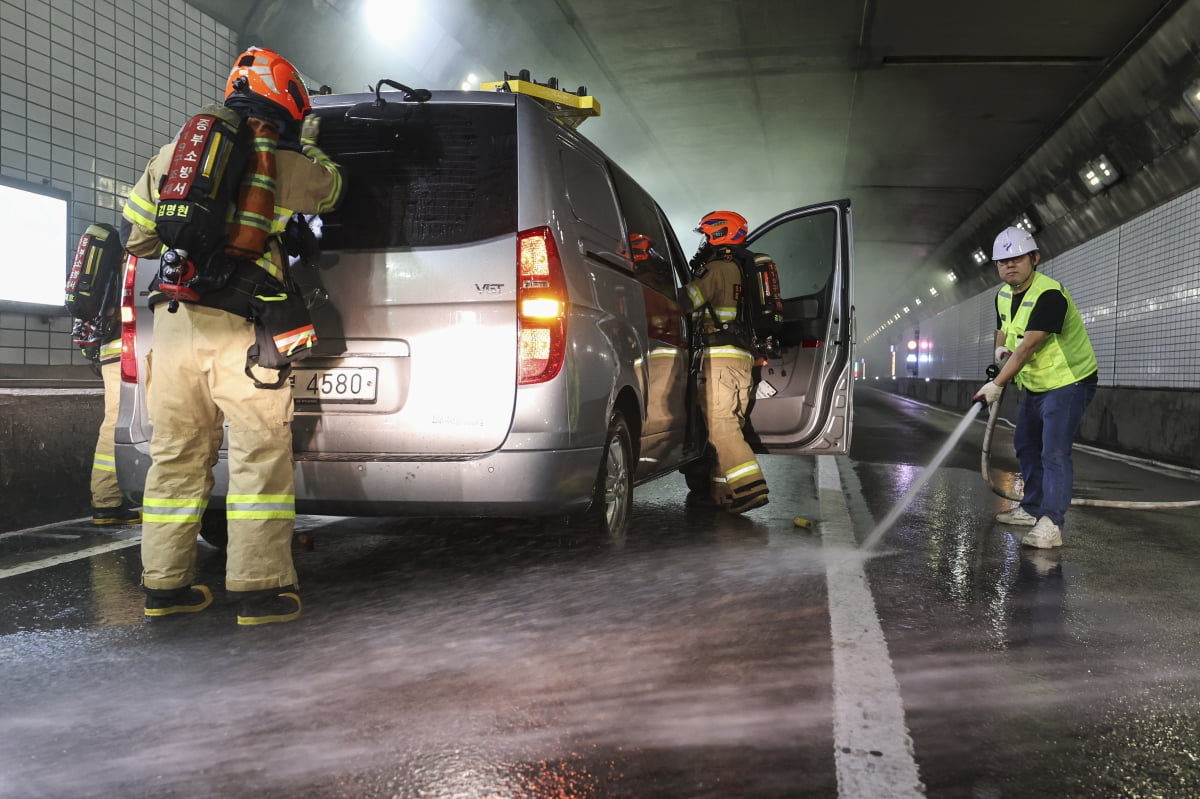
873,750
55,560
51,526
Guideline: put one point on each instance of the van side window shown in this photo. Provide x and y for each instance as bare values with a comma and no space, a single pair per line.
591,196
648,240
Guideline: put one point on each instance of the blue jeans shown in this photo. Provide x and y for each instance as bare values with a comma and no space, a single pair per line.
1046,426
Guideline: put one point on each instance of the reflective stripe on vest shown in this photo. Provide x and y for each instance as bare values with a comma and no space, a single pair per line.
1065,357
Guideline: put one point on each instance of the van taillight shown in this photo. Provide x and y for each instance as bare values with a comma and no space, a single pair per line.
541,307
129,372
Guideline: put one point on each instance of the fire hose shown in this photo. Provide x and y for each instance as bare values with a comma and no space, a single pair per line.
985,468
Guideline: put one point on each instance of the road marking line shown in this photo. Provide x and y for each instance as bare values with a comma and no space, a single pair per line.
873,750
56,560
51,526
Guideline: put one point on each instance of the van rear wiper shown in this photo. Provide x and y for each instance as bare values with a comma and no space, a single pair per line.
381,111
410,95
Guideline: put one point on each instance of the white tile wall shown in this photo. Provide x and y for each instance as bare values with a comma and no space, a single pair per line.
89,89
1138,290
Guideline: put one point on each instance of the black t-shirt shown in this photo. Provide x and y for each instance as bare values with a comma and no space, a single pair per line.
1047,315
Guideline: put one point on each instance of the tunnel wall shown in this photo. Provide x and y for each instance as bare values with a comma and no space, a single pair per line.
1161,425
46,444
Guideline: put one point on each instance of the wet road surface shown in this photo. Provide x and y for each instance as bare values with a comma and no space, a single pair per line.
705,656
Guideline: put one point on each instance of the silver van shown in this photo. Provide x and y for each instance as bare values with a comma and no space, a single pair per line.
489,343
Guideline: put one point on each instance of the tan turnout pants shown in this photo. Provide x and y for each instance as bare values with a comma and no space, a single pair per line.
197,382
106,493
726,381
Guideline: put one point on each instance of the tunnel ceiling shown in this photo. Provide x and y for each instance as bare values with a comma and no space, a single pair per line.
916,110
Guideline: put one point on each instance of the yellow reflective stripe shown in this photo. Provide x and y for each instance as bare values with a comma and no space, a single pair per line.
727,352
665,352
745,469
725,313
251,219
140,211
104,463
260,181
111,350
695,295
172,511
260,506
335,192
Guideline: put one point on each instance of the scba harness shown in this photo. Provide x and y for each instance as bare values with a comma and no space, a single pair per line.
759,320
92,288
215,212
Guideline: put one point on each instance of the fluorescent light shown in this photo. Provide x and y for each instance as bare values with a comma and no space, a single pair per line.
1099,173
1025,222
1192,97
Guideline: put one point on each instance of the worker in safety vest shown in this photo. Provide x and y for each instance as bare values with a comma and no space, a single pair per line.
725,381
1042,347
200,377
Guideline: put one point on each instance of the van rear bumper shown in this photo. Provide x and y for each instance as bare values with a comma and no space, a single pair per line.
500,484
531,483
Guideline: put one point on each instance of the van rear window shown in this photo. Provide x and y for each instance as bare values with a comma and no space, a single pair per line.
428,176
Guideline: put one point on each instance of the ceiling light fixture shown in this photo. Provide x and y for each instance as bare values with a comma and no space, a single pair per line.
1192,97
952,276
1099,173
1025,222
979,256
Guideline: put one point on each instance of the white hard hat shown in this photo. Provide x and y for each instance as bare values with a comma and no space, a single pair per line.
1012,242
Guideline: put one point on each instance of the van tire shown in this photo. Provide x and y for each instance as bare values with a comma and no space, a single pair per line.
214,528
612,495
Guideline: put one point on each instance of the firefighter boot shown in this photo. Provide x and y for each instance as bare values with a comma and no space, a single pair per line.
121,514
168,602
267,607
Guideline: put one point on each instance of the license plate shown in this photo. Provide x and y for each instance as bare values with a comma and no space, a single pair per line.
334,385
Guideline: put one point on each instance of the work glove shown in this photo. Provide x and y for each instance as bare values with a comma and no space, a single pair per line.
988,394
1001,354
310,129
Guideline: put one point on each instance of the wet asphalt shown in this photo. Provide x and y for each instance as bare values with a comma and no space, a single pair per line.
694,659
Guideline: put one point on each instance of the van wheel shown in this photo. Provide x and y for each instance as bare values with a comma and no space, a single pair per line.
214,529
612,496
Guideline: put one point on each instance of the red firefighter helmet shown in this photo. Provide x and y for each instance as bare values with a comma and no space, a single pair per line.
639,246
724,227
269,75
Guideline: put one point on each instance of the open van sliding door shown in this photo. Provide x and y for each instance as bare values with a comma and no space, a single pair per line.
804,403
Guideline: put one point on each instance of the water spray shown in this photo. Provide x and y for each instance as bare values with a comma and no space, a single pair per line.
923,478
985,467
986,470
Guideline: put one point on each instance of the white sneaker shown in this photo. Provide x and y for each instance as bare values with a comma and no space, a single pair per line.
1017,515
1044,535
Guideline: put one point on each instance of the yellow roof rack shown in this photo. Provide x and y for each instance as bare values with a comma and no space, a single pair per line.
569,109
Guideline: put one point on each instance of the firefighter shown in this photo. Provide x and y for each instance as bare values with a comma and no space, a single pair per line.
1043,347
725,380
198,378
108,503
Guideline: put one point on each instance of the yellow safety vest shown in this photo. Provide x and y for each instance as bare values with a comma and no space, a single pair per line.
1065,357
